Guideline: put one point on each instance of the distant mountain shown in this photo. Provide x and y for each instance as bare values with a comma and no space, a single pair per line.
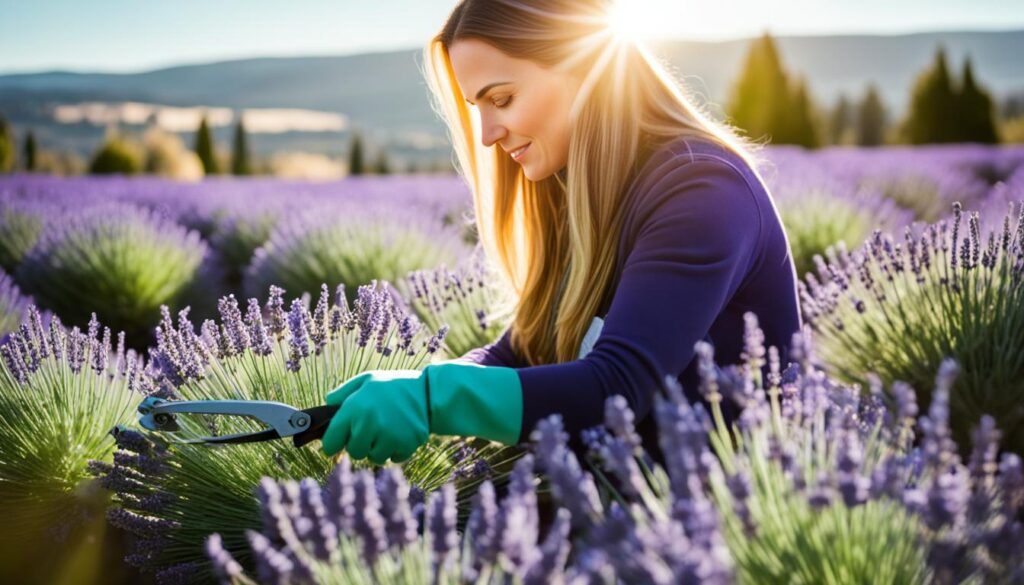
386,92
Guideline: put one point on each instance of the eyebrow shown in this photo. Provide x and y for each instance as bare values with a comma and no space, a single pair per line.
487,88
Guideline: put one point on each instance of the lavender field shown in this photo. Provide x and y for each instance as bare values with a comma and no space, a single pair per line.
885,448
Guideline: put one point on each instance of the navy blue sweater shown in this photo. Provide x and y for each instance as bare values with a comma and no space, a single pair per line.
701,245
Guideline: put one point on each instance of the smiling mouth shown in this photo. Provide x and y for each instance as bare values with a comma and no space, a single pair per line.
518,154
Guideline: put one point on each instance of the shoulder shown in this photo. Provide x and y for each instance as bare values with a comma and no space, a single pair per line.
698,182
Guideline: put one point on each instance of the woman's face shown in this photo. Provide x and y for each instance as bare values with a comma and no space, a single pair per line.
520,104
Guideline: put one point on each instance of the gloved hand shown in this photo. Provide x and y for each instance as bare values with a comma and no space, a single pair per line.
390,413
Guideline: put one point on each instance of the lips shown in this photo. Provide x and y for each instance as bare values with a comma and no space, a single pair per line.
518,153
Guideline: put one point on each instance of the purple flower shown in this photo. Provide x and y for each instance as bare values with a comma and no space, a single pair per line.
258,334
482,526
554,551
569,484
947,498
271,565
339,497
317,527
299,341
231,318
225,567
399,525
369,525
740,488
441,525
276,313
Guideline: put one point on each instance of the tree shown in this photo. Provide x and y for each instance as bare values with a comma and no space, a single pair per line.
871,119
116,156
840,120
356,166
798,119
205,149
29,152
975,113
240,164
764,103
381,166
932,105
6,146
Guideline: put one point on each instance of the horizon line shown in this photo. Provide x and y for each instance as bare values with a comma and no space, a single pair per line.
215,60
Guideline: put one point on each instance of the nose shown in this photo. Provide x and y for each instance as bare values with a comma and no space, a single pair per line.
491,132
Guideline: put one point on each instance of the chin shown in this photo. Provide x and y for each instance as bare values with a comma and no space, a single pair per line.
536,177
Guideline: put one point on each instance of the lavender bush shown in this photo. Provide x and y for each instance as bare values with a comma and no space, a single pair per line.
61,391
898,307
353,245
117,260
171,495
20,226
469,300
815,484
360,528
13,305
236,239
816,216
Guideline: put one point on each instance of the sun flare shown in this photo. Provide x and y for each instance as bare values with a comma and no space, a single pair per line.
630,20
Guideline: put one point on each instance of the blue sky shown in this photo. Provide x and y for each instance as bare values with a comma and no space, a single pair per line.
136,35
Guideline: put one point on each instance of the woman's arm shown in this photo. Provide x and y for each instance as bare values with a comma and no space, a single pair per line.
699,232
499,353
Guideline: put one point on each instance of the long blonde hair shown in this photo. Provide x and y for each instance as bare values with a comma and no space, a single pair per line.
540,230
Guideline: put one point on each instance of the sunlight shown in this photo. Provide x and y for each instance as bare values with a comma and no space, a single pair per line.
631,20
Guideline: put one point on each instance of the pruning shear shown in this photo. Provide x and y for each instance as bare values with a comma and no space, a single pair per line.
303,426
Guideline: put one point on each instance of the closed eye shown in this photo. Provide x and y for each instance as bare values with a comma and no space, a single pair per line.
503,104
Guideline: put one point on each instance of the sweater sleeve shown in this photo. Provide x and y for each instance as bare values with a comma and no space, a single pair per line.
697,230
499,353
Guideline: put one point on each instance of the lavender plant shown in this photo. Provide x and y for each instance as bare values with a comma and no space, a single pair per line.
60,393
898,307
117,260
818,216
20,227
365,529
13,305
814,484
469,300
351,244
173,495
237,238
817,483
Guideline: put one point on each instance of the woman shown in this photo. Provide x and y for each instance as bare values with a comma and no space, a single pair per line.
611,205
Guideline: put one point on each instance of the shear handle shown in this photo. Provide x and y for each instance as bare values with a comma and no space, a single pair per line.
284,419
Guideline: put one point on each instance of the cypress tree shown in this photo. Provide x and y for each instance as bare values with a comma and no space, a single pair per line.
29,152
798,120
356,166
840,120
204,148
240,151
871,119
975,111
932,109
765,104
761,94
382,166
6,146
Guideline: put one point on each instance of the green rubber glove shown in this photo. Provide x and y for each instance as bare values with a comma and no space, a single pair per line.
386,414
470,400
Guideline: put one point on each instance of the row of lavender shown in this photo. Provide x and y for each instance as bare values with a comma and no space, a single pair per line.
902,304
75,245
124,247
819,482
